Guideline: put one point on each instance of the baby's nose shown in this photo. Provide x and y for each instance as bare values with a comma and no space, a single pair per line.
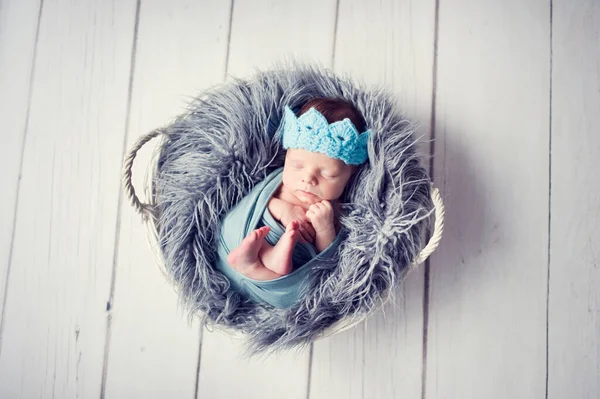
308,180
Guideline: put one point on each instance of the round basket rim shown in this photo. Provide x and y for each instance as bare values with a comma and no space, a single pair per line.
149,216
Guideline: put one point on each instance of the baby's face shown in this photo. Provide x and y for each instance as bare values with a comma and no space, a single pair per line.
313,177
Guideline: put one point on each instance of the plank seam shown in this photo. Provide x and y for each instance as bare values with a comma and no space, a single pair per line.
23,141
549,206
228,41
109,304
427,272
335,31
200,337
310,359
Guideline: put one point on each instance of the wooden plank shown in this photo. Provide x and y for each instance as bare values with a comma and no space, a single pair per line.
487,315
262,32
55,320
18,21
574,298
181,48
383,357
225,374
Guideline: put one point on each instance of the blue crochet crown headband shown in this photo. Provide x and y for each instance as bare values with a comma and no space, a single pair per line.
312,132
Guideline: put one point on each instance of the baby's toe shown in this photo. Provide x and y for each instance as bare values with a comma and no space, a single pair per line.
264,231
255,235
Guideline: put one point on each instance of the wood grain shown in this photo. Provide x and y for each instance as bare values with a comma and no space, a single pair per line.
574,298
383,358
487,316
19,21
266,31
55,312
514,81
154,353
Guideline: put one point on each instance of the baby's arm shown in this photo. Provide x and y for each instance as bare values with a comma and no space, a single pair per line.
286,213
321,216
324,238
277,207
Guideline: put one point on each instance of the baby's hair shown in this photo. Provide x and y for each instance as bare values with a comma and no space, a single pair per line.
335,109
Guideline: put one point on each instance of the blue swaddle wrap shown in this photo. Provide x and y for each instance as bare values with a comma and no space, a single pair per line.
252,213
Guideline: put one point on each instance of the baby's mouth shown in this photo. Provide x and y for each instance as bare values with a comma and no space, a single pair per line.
306,193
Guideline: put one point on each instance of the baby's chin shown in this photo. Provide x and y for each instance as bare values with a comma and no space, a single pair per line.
312,199
308,198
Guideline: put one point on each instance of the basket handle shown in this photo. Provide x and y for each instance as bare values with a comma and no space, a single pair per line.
438,228
139,206
147,209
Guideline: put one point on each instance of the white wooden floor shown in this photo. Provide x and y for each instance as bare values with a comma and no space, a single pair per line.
509,305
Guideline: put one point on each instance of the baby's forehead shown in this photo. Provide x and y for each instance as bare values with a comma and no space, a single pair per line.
314,158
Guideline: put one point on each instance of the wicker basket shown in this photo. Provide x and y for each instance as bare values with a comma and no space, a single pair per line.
149,216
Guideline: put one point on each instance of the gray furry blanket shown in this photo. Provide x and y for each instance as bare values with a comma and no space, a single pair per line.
226,142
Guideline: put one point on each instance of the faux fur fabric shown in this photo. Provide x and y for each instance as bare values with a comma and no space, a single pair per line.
226,142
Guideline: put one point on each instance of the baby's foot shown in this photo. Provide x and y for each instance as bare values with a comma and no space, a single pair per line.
279,258
246,254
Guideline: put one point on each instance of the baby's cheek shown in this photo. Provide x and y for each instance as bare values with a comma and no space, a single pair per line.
334,192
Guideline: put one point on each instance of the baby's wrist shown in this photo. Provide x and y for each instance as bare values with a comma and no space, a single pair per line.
324,238
326,232
326,229
324,226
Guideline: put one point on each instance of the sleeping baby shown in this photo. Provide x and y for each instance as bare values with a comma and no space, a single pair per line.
295,210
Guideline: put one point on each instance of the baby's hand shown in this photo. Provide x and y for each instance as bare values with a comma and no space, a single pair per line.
321,217
297,213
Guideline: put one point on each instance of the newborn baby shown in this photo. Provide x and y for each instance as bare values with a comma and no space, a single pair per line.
320,160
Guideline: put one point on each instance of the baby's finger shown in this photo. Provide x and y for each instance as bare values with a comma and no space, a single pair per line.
309,218
304,234
311,230
301,238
